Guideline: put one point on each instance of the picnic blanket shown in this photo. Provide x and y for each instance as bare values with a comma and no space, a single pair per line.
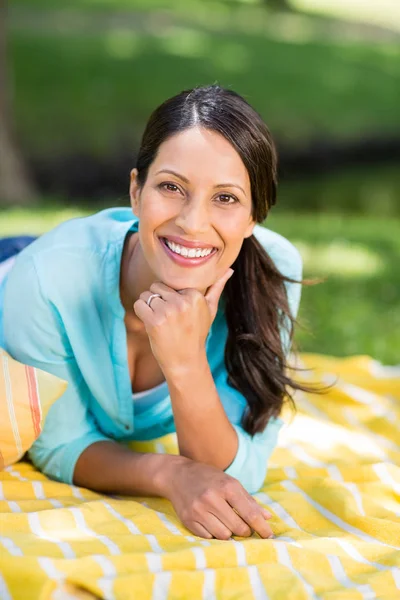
333,488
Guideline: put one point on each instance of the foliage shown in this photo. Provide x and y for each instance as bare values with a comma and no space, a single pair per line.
87,80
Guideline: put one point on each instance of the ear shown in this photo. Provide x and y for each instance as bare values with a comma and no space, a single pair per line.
249,230
134,192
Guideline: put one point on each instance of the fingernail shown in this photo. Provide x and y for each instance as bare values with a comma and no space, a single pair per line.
270,537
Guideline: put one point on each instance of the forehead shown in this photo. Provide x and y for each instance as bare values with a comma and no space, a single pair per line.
201,154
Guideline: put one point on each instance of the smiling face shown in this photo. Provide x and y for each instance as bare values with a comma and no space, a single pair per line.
196,199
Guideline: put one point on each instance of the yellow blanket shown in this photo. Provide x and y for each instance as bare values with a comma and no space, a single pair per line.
333,488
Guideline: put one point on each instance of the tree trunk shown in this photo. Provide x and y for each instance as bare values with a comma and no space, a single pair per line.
15,184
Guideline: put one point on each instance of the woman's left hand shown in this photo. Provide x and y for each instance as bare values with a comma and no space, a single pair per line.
178,323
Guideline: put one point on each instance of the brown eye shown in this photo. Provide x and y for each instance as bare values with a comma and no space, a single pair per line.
169,187
227,199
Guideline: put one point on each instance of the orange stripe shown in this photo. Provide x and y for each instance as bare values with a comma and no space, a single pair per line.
33,398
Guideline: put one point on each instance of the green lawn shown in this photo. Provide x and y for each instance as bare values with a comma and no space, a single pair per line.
355,311
89,83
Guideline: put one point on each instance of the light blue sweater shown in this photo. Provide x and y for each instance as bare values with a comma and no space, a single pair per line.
60,310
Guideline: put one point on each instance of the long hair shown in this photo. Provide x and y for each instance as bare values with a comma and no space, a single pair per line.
255,299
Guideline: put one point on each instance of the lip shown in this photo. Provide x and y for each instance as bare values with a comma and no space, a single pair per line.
182,242
186,262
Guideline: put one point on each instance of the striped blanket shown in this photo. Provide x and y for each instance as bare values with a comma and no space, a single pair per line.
333,488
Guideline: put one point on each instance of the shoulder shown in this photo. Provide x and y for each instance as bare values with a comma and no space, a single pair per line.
71,262
95,232
285,255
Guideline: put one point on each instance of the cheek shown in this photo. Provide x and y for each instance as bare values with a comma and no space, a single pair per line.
232,229
156,210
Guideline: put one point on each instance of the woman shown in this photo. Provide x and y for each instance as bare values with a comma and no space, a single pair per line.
140,311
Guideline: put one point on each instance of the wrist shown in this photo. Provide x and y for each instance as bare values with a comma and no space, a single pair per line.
165,476
193,366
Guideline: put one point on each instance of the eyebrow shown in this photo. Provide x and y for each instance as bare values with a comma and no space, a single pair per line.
220,185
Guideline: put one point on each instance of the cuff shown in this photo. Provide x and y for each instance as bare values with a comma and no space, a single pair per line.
73,451
250,463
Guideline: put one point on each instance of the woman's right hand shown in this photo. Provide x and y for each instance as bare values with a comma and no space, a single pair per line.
211,503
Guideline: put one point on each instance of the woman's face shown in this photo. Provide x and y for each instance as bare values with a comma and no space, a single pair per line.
196,200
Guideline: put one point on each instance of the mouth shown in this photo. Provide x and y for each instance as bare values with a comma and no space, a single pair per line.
189,257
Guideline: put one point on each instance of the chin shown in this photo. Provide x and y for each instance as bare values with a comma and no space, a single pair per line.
186,282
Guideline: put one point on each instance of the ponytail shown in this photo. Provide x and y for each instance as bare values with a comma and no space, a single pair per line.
260,329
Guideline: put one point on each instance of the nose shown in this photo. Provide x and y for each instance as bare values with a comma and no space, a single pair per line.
194,216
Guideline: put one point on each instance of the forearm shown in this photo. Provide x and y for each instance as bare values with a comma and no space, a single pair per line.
204,432
112,468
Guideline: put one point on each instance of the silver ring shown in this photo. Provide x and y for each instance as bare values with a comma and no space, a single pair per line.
150,298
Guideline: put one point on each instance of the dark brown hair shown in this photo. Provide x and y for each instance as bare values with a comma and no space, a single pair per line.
255,298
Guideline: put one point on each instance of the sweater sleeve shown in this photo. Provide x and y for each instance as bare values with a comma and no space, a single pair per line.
34,334
250,463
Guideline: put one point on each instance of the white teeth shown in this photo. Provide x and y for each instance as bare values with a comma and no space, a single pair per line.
188,252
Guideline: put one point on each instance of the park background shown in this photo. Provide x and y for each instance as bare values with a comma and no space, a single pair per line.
78,81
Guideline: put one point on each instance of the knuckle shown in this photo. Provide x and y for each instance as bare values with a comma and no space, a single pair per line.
181,304
184,303
229,486
197,297
197,507
208,496
252,515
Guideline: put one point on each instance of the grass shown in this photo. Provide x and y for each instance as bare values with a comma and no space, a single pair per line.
91,87
355,311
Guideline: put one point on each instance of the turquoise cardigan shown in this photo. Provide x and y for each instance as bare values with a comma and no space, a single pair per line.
60,310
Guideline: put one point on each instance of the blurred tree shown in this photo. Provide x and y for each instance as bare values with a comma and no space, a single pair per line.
15,184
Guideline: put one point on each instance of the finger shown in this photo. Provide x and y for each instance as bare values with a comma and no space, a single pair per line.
232,520
144,312
155,303
264,511
251,513
215,290
216,527
198,529
161,288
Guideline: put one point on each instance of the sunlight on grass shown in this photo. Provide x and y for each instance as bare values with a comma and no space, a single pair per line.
184,42
123,44
385,12
30,221
340,258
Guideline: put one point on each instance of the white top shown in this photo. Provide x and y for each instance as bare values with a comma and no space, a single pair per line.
143,400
